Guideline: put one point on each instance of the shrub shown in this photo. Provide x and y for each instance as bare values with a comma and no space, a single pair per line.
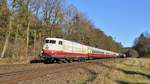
132,53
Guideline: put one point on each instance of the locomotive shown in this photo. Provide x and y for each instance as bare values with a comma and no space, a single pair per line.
61,50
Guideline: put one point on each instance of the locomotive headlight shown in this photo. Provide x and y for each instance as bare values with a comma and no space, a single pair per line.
41,51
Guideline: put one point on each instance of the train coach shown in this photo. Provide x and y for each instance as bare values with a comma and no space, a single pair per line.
58,50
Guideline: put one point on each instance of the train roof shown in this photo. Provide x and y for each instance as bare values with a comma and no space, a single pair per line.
103,50
54,38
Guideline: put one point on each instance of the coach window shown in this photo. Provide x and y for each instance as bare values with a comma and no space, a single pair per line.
60,42
52,41
47,41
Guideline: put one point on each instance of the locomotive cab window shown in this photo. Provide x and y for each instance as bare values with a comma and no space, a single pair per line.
60,42
47,41
51,41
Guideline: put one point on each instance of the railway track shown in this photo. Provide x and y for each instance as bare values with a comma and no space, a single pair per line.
31,71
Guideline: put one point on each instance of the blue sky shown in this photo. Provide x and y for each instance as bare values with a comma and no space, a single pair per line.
124,20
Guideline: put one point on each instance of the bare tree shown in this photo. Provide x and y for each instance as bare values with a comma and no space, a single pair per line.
70,13
52,14
36,7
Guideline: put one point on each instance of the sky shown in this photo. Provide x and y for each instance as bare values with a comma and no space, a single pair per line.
124,20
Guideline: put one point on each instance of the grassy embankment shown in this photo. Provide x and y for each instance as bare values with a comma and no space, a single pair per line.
130,71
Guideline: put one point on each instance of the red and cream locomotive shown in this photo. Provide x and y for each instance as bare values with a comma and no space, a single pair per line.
56,49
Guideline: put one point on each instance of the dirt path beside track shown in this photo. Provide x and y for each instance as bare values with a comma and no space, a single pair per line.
67,73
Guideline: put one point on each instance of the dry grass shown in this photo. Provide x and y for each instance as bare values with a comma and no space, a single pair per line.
6,61
130,71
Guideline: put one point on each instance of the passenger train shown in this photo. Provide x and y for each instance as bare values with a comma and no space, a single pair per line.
58,50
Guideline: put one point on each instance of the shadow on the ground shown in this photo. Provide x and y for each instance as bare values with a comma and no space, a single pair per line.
124,82
134,72
93,74
36,61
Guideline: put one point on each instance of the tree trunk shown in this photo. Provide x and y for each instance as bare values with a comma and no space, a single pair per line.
5,45
9,30
28,29
16,41
35,43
